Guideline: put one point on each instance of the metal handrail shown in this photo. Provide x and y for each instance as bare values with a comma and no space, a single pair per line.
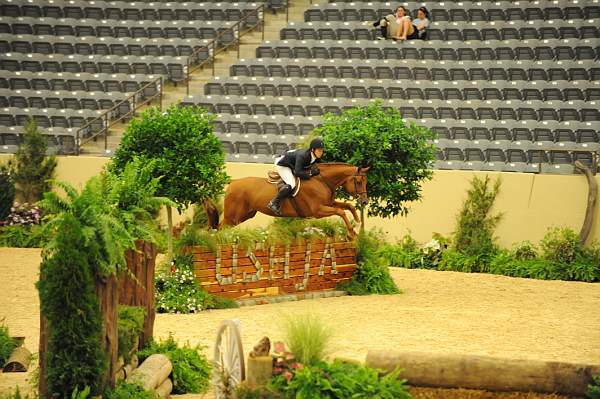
213,48
106,119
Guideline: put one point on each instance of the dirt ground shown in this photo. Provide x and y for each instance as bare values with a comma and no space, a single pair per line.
442,312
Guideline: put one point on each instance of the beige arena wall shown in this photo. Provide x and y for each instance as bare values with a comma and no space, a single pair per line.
530,203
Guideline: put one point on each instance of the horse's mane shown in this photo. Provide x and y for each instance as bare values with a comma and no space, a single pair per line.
335,164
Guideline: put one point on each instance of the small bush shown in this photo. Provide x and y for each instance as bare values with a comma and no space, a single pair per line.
525,251
16,395
307,336
561,245
341,380
474,235
7,344
125,390
129,327
248,392
372,275
177,290
191,369
594,388
22,236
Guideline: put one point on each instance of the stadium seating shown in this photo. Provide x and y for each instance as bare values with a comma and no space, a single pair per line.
513,86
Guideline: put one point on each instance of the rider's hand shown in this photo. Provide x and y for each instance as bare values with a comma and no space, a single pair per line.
315,172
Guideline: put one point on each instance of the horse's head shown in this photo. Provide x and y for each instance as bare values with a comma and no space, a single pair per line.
357,185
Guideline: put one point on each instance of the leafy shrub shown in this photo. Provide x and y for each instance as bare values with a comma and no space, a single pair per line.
177,290
341,380
474,235
247,392
7,344
307,336
594,388
16,395
130,325
22,236
74,358
32,169
561,245
7,191
372,275
126,390
459,262
525,251
191,369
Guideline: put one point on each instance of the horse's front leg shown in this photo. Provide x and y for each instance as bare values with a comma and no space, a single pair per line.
349,207
324,211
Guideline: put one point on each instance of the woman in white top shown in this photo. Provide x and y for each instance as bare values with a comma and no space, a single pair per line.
392,23
415,29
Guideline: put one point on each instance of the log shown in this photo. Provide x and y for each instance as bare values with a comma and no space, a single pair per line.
485,372
152,372
588,221
18,361
164,389
260,370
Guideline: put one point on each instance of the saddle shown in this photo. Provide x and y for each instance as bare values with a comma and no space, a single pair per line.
274,178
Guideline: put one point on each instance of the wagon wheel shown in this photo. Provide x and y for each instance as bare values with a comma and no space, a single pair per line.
229,368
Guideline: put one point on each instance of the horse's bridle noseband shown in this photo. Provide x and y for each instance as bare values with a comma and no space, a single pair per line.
354,177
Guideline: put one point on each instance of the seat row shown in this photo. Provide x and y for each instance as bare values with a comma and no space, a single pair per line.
59,99
115,29
512,160
526,50
62,144
77,82
132,11
407,87
471,71
558,112
348,31
450,12
50,117
68,45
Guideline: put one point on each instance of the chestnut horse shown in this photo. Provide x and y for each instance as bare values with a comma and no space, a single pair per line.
316,198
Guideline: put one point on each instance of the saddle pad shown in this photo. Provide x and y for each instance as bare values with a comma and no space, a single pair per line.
274,178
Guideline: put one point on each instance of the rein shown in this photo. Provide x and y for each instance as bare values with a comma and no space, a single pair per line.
333,189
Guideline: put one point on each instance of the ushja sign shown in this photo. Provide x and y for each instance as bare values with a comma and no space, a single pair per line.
238,272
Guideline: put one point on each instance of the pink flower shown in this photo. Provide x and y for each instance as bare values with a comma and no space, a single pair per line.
288,376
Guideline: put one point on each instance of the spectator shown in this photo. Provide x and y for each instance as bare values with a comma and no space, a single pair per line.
416,29
391,23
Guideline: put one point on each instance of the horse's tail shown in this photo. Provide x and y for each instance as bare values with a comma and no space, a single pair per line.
212,213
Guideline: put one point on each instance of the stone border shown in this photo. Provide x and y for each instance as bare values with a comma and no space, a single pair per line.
291,297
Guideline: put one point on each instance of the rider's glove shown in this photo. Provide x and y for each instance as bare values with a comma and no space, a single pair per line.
315,172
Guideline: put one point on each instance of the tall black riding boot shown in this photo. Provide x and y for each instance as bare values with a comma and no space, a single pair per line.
275,204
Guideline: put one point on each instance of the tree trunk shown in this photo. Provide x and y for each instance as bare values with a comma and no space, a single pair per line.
485,372
170,235
108,297
588,221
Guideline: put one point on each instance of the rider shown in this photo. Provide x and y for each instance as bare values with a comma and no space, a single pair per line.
296,163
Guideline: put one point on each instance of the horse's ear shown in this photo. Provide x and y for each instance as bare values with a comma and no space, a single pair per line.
363,170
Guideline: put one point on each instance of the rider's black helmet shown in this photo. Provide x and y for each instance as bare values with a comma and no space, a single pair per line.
317,142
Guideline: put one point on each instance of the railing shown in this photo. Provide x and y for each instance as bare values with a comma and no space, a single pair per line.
215,46
107,118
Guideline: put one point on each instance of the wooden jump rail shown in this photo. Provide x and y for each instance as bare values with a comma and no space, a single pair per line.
215,46
107,120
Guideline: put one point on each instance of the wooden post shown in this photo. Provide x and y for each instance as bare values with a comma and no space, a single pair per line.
588,221
170,235
108,297
260,370
43,347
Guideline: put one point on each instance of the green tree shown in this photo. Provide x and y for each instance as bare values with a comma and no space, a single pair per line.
189,158
474,235
398,153
74,356
32,169
7,191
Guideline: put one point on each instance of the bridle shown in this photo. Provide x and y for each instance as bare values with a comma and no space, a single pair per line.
354,180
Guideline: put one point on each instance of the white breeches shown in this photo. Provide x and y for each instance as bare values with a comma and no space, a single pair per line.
285,173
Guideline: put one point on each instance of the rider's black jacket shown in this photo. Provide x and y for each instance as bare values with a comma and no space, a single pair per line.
298,161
